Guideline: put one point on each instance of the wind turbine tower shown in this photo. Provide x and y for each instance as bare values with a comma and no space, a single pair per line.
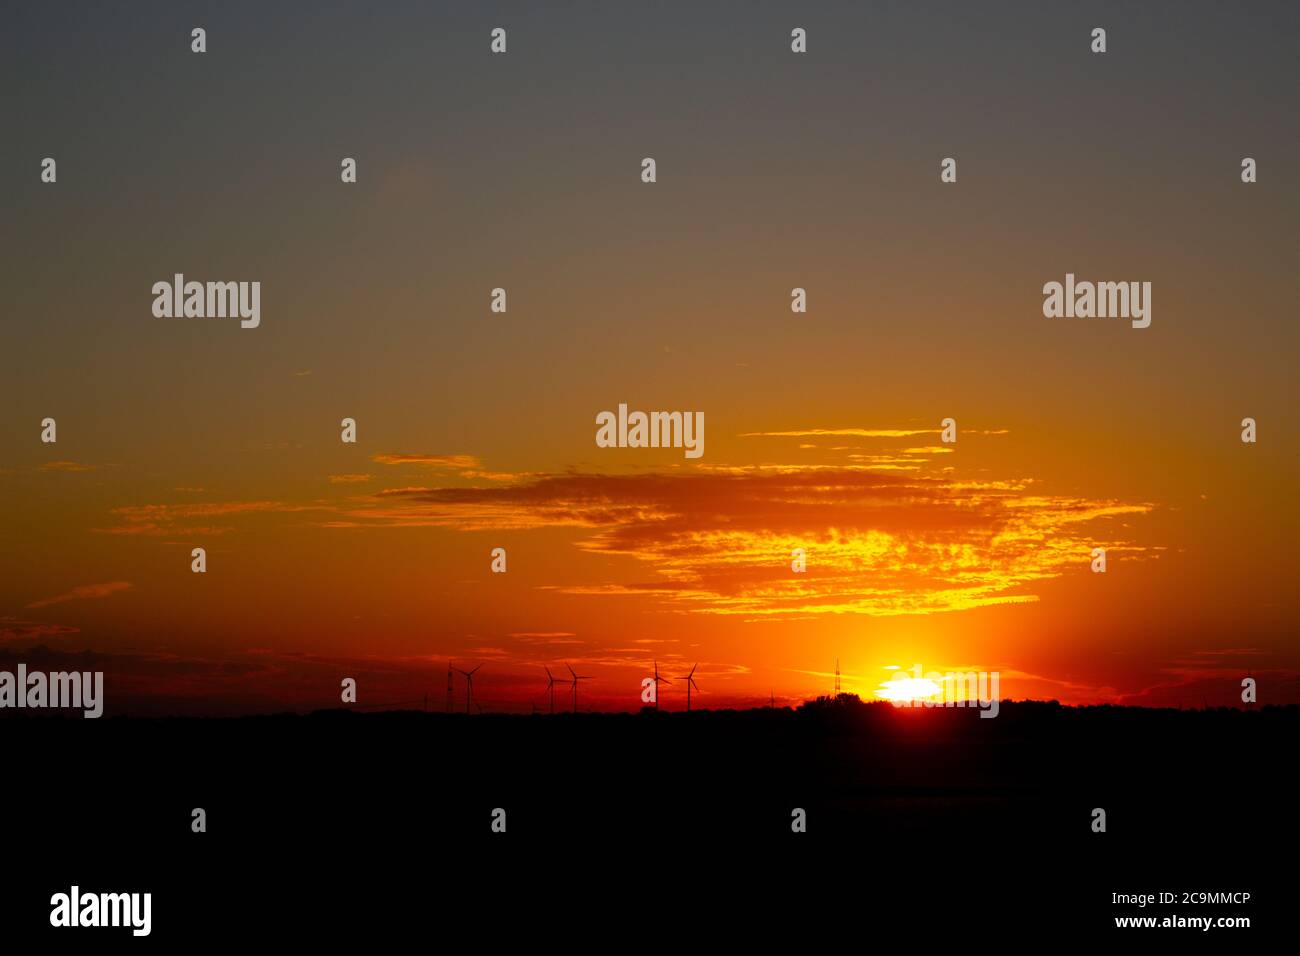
574,682
690,682
550,687
469,685
659,680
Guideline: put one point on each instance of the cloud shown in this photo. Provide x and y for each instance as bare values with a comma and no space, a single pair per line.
469,466
164,682
867,432
433,461
182,519
84,592
856,432
719,539
12,629
545,637
1212,687
497,475
346,479
70,466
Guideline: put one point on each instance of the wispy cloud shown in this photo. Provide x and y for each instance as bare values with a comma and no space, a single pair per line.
453,462
71,466
545,637
468,466
84,592
720,540
13,629
191,519
854,432
867,432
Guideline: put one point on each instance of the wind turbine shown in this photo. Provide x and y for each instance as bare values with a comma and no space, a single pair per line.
469,684
659,680
690,682
574,682
550,686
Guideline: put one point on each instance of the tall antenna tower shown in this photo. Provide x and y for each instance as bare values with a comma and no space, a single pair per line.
451,686
837,677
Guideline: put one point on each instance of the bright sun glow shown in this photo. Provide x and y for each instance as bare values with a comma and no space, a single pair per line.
909,688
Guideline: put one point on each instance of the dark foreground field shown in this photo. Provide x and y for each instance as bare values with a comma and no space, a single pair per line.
344,824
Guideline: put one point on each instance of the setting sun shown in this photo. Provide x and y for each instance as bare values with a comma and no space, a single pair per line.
908,688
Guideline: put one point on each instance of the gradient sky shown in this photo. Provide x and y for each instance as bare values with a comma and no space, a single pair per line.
477,430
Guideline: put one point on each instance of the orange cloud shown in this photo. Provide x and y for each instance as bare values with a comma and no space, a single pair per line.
68,466
720,539
866,432
12,629
433,461
469,466
177,519
856,432
84,592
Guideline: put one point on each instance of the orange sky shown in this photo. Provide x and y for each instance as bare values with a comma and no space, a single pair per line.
476,430
917,553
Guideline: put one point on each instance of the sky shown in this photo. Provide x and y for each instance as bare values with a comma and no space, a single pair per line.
476,430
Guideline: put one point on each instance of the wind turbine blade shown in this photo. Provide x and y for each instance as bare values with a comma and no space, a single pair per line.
570,670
